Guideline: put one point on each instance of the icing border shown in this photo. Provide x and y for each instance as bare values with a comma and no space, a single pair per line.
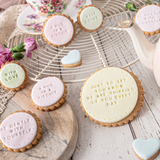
56,105
74,30
25,80
147,33
152,158
131,116
72,65
37,137
79,22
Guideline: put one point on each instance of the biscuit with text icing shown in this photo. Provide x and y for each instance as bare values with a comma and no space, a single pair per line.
90,18
48,93
20,131
13,76
148,19
59,30
112,96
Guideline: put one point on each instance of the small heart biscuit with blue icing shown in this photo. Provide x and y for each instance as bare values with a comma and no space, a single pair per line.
73,59
146,149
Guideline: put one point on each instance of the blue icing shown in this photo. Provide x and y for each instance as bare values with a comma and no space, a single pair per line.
73,57
145,149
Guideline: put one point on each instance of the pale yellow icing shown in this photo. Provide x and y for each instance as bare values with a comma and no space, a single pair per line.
12,75
110,95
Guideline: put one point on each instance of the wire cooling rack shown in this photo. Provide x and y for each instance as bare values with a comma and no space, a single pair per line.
109,46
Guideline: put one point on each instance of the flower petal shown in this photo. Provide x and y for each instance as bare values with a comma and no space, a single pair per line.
29,54
1,49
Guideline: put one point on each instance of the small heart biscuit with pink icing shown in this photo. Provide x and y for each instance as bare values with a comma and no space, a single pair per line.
20,131
59,30
49,94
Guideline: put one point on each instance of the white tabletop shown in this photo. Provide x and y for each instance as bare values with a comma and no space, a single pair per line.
102,143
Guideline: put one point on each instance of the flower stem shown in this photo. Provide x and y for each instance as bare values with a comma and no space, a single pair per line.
5,46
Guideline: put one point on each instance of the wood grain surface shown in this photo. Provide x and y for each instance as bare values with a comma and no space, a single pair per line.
102,143
60,130
94,142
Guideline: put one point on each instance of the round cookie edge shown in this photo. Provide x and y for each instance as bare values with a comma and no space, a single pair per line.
79,21
131,116
74,30
25,80
54,106
37,136
147,33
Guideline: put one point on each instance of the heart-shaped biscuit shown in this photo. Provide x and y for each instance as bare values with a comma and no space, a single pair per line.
73,59
145,149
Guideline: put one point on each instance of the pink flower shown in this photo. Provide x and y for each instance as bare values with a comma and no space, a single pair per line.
38,28
43,9
45,1
5,56
56,2
32,7
30,45
27,24
79,3
59,8
36,24
33,16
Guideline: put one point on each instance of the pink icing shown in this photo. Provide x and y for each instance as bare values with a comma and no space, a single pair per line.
18,130
156,65
47,91
59,30
148,18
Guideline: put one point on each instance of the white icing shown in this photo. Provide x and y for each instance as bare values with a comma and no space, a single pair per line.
145,149
91,18
107,107
12,75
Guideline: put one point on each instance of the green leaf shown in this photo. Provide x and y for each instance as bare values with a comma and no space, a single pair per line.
65,5
18,48
5,46
157,1
148,1
131,6
17,56
38,7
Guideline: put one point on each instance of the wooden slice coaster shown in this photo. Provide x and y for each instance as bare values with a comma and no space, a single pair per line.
60,129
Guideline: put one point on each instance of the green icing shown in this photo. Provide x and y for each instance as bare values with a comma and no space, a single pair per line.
91,18
12,75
